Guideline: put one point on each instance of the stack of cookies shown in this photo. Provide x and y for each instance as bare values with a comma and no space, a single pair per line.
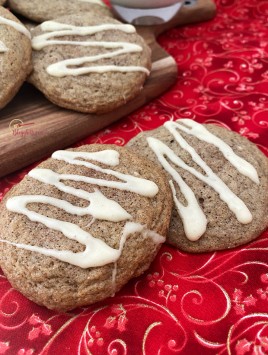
81,57
87,220
83,223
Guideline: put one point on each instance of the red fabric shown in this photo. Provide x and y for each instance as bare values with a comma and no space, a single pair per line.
206,304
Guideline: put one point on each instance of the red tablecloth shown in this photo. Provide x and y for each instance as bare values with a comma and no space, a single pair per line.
206,304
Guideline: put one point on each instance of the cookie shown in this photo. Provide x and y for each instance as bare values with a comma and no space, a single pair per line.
2,2
40,11
15,55
82,224
89,64
219,181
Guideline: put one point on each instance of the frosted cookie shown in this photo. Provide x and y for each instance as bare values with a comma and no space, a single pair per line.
82,224
87,64
219,182
44,10
15,55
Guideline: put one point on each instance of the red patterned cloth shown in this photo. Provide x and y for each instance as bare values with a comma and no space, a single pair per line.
193,304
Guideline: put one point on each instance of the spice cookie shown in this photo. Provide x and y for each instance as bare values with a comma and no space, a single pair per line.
82,224
15,55
89,64
44,10
219,182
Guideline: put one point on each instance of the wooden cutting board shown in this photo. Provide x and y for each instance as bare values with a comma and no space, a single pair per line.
43,127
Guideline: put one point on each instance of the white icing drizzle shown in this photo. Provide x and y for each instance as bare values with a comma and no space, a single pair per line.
193,218
192,215
131,229
91,256
3,47
131,183
98,2
67,67
97,252
57,29
195,129
17,26
100,207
